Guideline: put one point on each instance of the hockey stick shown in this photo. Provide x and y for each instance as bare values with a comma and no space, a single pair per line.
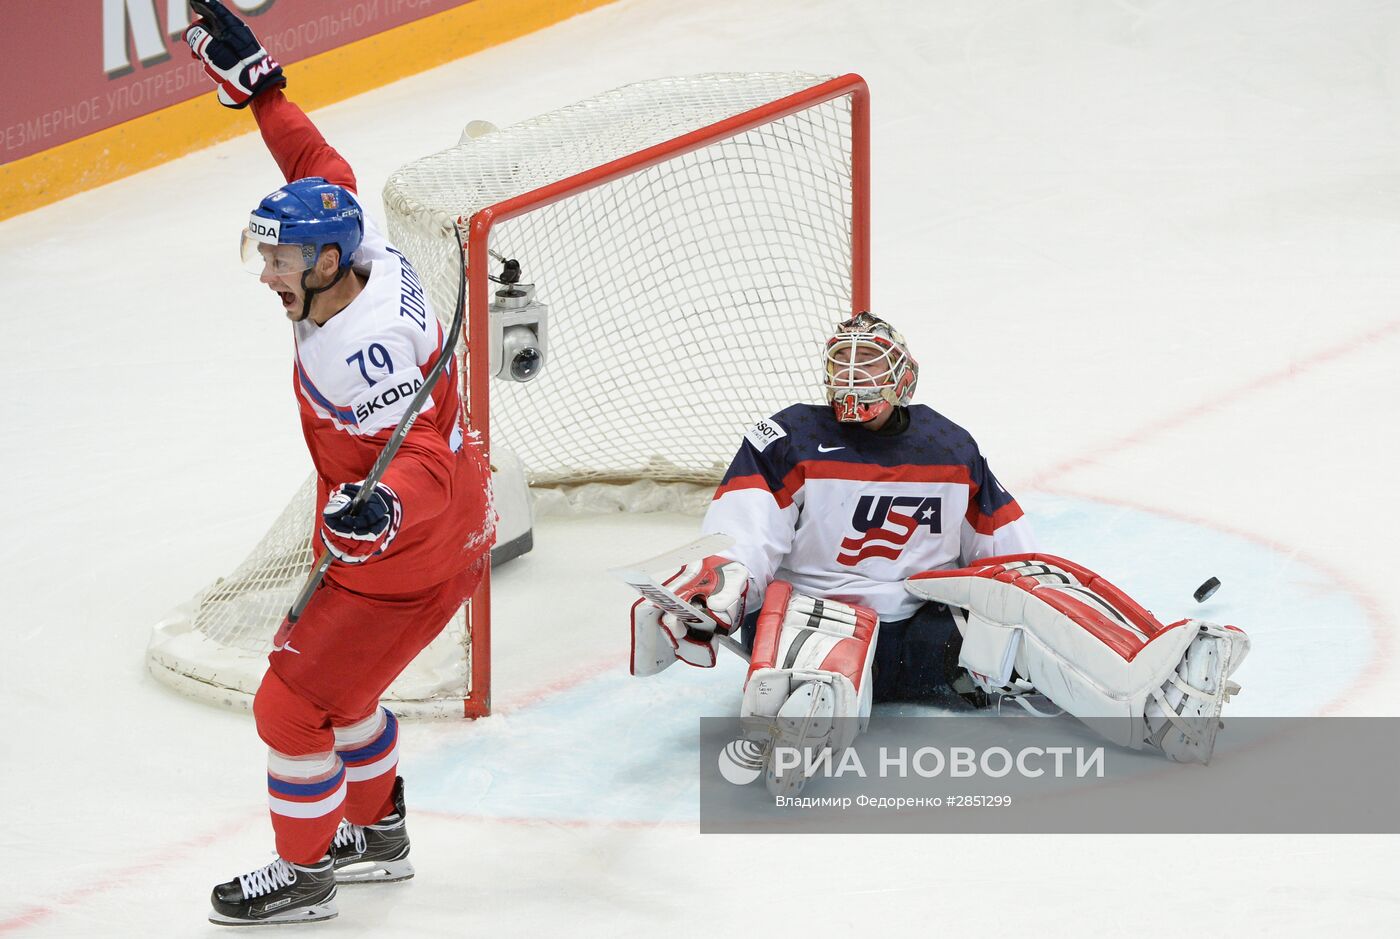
639,577
415,404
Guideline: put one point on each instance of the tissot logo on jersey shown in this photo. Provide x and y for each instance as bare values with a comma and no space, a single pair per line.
763,433
886,523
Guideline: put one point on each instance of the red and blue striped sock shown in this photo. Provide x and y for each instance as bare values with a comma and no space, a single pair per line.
370,751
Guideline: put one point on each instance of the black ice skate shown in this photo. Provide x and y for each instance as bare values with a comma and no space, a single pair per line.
279,893
377,853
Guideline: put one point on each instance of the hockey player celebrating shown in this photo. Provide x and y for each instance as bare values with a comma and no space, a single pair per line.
406,559
876,558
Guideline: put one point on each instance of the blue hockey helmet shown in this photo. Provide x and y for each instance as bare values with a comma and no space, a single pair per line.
306,215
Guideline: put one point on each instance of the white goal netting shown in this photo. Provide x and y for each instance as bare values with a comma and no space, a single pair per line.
687,298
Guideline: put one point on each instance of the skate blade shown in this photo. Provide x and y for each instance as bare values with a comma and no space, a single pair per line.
309,914
374,872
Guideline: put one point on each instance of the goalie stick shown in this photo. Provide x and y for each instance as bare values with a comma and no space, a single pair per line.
381,463
638,576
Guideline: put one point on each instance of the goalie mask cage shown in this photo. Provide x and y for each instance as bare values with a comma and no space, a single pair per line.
695,241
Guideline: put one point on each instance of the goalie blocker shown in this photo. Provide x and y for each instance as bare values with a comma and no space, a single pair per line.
808,686
717,586
1038,622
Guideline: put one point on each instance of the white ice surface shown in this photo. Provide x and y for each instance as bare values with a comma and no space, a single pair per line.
1145,250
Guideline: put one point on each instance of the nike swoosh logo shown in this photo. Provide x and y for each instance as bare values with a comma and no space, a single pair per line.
286,647
822,449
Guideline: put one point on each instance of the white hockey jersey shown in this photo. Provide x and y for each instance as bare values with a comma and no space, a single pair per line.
355,376
362,367
845,513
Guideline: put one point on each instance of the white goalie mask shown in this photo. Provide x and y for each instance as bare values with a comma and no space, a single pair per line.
869,370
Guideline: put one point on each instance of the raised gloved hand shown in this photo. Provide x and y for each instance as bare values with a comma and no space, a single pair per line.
716,585
356,537
231,54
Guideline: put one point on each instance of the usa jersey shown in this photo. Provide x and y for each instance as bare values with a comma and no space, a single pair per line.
354,377
845,513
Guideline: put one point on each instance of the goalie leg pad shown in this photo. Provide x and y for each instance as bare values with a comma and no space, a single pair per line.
809,685
799,638
1092,650
1183,716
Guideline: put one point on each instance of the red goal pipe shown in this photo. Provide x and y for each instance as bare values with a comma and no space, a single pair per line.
478,701
860,196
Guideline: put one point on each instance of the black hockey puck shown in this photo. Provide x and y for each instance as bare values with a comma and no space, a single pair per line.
1206,590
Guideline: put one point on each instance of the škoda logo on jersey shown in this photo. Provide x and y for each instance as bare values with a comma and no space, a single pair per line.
884,525
386,397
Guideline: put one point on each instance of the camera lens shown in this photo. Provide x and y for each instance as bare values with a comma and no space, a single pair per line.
525,364
522,354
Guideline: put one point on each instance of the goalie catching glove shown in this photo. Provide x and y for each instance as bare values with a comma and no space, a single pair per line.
354,537
1041,622
232,56
714,585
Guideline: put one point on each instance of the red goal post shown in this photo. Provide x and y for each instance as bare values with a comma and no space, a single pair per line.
694,239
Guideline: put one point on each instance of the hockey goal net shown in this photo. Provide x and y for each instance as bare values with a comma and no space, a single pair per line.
694,239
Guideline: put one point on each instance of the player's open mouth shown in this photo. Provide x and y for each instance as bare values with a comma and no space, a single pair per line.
288,298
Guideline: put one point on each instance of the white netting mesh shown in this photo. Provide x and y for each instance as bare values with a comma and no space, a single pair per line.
215,646
685,301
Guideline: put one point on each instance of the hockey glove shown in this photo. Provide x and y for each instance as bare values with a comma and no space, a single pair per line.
355,537
716,585
231,54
